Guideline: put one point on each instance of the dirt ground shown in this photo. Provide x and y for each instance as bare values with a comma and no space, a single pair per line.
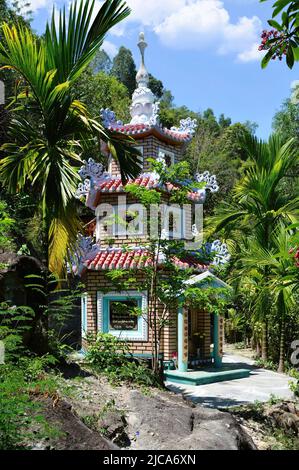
91,414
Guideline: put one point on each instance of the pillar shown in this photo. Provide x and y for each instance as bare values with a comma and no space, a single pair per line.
182,340
216,352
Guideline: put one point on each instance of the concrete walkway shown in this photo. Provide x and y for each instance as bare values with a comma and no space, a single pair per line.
259,386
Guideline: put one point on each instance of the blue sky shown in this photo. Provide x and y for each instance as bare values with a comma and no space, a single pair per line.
205,52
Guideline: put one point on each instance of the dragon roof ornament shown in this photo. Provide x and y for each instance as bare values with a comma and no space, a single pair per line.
187,126
109,118
220,252
92,175
211,181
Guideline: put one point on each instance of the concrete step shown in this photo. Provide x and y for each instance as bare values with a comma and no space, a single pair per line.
202,377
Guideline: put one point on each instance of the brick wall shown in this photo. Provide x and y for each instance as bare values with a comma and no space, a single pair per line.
200,323
151,146
96,281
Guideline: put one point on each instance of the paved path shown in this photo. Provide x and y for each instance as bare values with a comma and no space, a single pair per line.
259,386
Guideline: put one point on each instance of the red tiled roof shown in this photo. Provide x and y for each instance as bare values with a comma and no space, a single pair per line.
114,185
136,129
117,258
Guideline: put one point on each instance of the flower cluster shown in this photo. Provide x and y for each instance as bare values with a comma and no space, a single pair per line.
296,255
271,39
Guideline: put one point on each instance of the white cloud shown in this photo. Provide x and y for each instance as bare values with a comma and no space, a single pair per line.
36,4
110,48
251,54
189,24
153,12
197,24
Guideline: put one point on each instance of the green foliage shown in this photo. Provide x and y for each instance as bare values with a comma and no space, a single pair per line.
286,124
103,91
124,69
108,355
24,233
286,121
288,28
177,174
294,386
170,115
265,364
218,148
6,223
55,303
101,62
106,351
14,323
17,409
50,127
234,325
209,299
21,376
156,86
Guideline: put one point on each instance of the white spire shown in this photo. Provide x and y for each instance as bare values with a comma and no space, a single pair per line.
144,110
142,77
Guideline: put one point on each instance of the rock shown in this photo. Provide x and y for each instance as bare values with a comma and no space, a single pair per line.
74,434
284,416
113,424
172,424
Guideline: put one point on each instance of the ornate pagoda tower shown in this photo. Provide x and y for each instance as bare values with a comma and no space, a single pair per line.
109,247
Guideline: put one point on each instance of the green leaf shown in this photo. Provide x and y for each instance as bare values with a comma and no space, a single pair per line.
280,5
275,25
266,59
290,58
296,53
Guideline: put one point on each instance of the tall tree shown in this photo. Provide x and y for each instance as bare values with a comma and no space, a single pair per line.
124,69
101,62
105,91
8,77
286,121
259,205
156,86
44,155
217,148
283,279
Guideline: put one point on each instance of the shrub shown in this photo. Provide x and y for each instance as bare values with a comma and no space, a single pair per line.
17,409
109,355
270,365
294,386
14,323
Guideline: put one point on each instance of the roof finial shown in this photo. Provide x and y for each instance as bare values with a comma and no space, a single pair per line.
142,46
143,109
142,76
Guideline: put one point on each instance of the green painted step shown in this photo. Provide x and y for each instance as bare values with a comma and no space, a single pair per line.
202,377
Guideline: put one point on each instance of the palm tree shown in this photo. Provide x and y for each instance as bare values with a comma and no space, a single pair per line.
50,128
283,279
259,205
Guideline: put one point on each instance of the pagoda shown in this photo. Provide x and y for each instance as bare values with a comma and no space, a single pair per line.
109,247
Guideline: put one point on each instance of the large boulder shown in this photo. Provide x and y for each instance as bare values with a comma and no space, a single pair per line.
166,421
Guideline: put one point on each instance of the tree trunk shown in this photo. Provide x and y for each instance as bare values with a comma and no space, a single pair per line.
265,341
281,347
258,349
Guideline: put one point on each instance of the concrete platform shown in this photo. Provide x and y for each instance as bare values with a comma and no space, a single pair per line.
260,385
205,376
